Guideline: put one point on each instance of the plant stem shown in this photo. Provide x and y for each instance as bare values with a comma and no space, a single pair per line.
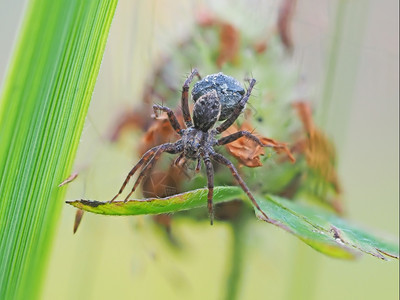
341,75
304,272
332,63
237,258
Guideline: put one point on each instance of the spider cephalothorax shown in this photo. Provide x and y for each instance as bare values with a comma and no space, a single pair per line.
217,97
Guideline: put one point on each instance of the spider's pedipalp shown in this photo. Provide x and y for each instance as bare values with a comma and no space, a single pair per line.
238,109
198,165
222,160
171,117
178,159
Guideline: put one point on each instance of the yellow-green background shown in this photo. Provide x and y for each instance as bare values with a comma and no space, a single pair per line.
113,257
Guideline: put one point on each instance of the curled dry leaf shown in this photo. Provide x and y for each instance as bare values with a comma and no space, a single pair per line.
162,183
229,36
69,179
229,44
260,47
204,17
78,219
248,152
319,152
128,121
285,17
138,118
159,132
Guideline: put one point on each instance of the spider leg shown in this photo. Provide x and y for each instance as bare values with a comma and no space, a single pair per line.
168,147
210,184
234,136
143,160
171,116
222,160
185,96
238,109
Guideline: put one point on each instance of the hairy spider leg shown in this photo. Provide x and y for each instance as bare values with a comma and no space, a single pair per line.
210,185
238,109
139,164
234,136
171,116
167,147
222,160
185,97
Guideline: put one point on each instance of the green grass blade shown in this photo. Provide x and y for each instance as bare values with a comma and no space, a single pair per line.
43,106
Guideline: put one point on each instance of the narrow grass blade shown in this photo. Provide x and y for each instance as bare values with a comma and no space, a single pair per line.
42,110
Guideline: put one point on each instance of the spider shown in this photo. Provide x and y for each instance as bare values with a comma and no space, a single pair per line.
222,99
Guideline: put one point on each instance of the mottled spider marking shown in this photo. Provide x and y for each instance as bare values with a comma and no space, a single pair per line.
228,89
206,111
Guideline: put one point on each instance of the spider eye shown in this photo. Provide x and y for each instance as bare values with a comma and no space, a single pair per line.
206,111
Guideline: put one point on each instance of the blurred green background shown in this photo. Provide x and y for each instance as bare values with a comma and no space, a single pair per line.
129,257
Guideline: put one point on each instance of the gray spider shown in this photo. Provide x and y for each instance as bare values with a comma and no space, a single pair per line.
217,97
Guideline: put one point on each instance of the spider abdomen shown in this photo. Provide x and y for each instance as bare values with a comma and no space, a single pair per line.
206,111
228,89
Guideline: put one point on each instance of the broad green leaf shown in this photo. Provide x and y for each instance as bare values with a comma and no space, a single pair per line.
321,230
328,224
185,201
43,106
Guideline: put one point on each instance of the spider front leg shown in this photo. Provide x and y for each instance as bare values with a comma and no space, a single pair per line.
171,116
168,147
237,135
143,160
222,160
185,97
238,109
210,184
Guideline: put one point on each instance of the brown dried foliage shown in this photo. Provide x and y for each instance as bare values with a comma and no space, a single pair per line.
319,152
248,152
285,17
229,44
229,36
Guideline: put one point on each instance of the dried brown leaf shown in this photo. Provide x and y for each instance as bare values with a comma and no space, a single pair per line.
229,44
248,152
285,17
78,219
318,150
159,132
69,179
